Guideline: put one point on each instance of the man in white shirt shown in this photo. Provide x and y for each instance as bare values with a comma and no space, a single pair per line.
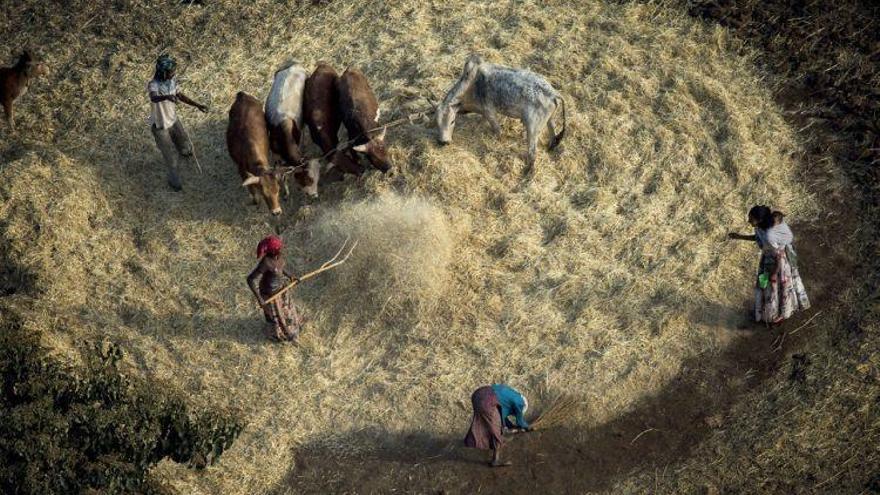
171,137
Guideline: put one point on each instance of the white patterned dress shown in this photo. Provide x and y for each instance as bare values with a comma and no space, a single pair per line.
785,293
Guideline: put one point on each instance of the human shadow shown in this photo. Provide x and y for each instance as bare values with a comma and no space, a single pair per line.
729,317
662,427
194,326
658,429
132,172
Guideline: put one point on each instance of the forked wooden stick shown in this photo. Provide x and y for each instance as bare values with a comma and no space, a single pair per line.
331,263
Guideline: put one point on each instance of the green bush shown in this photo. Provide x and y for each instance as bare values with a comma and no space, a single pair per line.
93,428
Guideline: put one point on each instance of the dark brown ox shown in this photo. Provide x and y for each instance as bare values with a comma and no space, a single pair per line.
321,113
14,82
247,139
360,114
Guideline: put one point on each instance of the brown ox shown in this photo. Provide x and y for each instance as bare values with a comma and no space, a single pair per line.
321,113
247,139
14,82
360,113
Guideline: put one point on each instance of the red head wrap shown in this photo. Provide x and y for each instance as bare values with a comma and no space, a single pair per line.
270,245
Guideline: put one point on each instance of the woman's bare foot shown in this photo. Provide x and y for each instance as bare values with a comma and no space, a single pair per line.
500,463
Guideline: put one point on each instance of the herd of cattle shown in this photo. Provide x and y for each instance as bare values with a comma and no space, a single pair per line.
324,101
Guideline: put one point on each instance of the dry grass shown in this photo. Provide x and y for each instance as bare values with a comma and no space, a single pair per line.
403,254
559,413
596,277
813,428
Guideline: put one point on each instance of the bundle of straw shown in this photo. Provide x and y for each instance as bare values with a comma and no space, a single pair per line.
560,410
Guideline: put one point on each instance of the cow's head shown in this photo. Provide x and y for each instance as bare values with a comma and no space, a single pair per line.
376,151
30,65
451,104
269,183
446,114
307,177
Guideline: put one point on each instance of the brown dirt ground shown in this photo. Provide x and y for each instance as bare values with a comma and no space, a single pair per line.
660,430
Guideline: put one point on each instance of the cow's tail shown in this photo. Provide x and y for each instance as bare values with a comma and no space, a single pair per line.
558,138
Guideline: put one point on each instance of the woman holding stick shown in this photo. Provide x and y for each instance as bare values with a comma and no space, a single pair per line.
280,313
779,290
493,406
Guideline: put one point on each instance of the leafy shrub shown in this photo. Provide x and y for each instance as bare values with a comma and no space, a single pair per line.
93,428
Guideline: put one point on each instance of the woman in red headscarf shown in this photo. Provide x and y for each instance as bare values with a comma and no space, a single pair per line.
281,314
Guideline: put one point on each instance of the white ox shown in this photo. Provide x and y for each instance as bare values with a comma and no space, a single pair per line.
284,118
490,90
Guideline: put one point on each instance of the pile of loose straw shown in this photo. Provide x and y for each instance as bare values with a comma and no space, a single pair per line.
561,410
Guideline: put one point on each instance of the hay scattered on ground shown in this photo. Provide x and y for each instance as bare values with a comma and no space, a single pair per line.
402,257
599,275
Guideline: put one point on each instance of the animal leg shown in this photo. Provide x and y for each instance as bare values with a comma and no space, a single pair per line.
532,132
10,121
492,117
290,143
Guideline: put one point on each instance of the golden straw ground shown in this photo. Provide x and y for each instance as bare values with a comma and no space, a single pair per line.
597,277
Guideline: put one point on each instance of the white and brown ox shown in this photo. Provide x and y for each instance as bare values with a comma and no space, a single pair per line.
490,90
284,118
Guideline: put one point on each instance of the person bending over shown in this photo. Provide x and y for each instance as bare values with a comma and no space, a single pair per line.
493,406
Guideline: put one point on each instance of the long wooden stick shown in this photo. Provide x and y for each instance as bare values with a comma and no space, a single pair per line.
329,264
347,144
192,150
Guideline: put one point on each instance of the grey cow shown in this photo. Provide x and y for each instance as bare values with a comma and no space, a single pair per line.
491,89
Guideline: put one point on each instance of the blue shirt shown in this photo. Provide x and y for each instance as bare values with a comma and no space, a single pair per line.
512,404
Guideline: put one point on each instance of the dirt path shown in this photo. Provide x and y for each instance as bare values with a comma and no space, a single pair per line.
658,431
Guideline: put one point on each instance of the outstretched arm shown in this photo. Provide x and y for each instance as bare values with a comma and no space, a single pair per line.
252,281
186,99
156,97
741,237
520,420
